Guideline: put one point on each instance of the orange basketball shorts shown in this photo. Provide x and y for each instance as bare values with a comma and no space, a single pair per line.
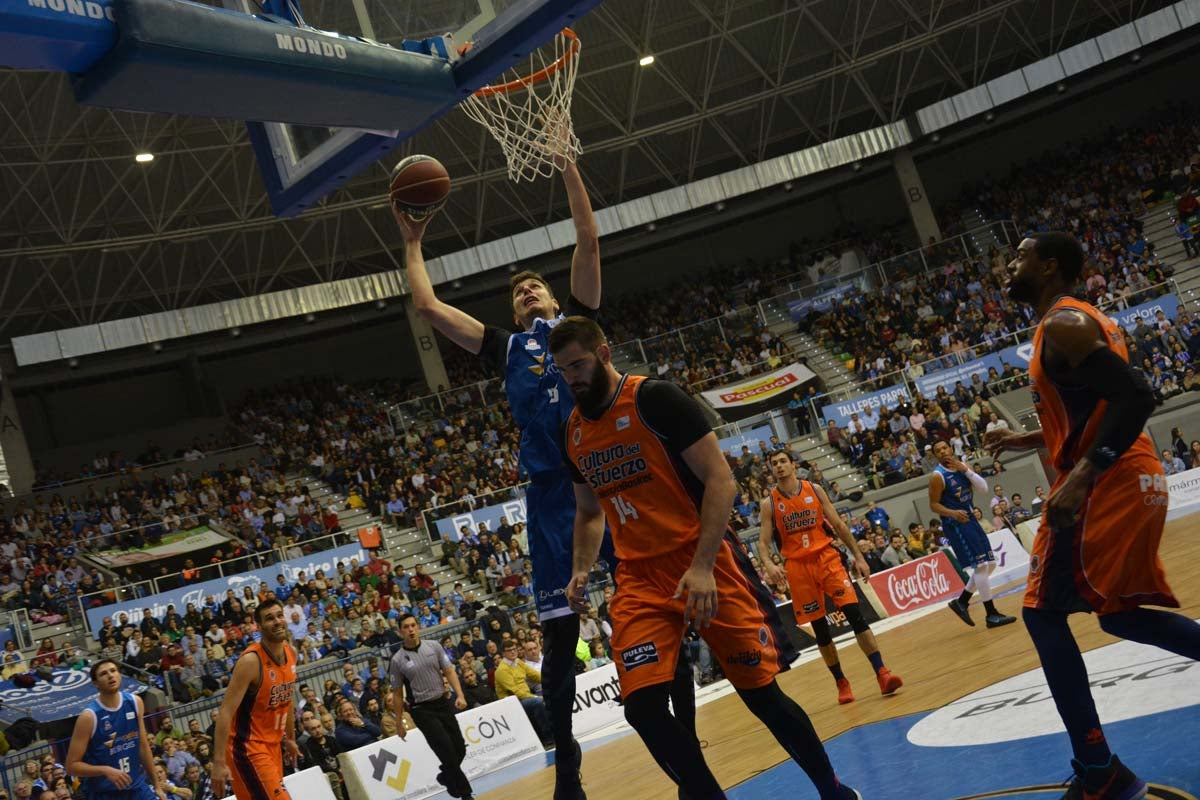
813,578
648,626
257,775
1108,560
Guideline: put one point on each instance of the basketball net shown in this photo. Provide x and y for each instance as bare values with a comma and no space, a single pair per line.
529,115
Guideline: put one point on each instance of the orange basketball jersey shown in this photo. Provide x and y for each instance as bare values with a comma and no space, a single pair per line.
649,496
799,522
1070,415
261,719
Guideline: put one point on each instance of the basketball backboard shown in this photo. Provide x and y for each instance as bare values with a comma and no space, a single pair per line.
302,164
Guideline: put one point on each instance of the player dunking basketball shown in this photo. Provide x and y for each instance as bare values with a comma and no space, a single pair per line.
540,402
257,716
952,487
643,456
1096,548
798,522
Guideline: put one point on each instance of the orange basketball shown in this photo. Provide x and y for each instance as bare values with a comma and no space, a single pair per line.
420,186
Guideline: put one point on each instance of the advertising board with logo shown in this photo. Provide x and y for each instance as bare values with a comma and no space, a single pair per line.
772,386
916,584
840,411
1012,560
1183,489
597,699
196,592
497,734
513,512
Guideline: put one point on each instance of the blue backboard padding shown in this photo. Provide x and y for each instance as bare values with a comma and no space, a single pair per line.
178,57
69,40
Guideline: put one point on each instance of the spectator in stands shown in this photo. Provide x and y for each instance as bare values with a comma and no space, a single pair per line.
176,760
1172,463
512,680
897,550
352,731
867,547
476,692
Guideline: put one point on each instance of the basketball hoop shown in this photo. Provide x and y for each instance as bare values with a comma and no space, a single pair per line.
530,114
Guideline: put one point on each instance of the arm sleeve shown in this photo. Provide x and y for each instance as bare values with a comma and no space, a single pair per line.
494,350
977,481
575,307
672,414
1130,404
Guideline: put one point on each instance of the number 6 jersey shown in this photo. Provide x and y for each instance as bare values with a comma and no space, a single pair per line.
630,456
799,522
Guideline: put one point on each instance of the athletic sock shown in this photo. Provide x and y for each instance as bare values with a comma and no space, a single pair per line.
836,669
1067,677
964,599
990,607
876,660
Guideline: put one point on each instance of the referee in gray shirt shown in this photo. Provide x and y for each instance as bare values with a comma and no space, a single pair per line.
420,665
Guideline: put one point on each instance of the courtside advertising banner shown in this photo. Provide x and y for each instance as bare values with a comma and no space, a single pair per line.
1012,561
1183,489
758,389
1128,319
513,511
497,734
597,699
1017,355
197,592
732,445
840,412
916,584
406,769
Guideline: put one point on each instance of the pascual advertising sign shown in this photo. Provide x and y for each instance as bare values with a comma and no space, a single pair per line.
916,584
764,387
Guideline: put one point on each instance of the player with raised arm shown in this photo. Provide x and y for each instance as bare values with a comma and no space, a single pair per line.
1096,548
109,747
952,487
644,457
540,403
801,516
257,715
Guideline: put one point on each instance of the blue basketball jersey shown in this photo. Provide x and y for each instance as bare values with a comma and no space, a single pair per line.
539,398
958,494
115,743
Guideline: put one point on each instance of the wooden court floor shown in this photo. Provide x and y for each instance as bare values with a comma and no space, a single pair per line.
939,658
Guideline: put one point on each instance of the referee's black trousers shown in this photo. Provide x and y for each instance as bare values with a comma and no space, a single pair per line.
436,720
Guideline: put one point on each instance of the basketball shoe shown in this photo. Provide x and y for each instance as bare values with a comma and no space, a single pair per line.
999,620
845,694
961,611
1112,781
888,682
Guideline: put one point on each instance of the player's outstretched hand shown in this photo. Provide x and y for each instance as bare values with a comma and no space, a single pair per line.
701,589
577,593
118,778
411,229
999,441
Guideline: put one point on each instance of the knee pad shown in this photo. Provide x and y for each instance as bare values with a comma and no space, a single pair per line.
821,631
855,618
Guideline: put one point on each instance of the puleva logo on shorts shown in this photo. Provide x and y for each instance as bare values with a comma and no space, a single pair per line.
639,655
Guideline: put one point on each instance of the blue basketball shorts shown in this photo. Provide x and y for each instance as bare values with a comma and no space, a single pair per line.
968,541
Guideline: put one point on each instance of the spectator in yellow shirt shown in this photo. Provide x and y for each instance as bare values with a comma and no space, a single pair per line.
355,500
512,680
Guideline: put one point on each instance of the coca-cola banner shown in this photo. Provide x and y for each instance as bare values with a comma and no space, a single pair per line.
916,584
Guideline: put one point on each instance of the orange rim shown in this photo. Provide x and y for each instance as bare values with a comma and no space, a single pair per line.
540,75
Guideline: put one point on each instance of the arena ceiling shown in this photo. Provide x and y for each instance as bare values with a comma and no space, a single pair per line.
87,234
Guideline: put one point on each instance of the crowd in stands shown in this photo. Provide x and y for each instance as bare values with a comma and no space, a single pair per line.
117,462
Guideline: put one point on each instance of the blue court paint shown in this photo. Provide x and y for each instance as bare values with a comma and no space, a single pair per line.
880,762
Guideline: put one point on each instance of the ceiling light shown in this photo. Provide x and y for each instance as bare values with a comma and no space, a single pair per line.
989,116
645,61
144,158
457,284
73,363
1060,87
1136,57
381,305
857,166
787,187
720,206
235,332
310,318
157,347
937,137
651,227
